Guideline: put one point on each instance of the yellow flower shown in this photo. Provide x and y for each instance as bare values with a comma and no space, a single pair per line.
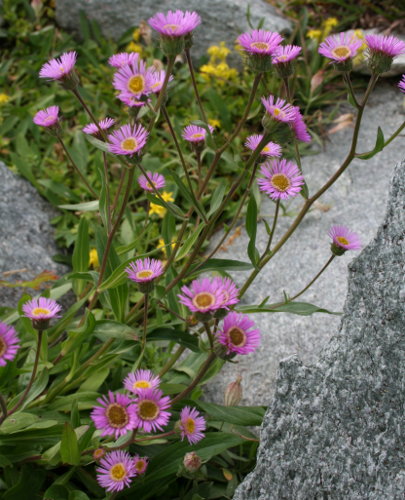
158,209
328,25
218,52
136,35
360,56
162,246
214,123
134,47
315,35
93,258
4,98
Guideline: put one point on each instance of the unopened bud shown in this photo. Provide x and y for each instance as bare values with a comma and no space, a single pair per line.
192,462
233,393
192,320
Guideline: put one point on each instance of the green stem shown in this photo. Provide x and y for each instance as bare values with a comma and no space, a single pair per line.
88,111
145,328
209,335
118,192
398,131
162,93
346,78
107,191
313,279
273,228
194,82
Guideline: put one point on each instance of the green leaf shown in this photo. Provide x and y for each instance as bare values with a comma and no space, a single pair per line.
224,265
86,206
171,207
80,257
175,335
189,196
379,146
238,415
97,143
187,245
251,229
301,308
216,198
69,449
107,329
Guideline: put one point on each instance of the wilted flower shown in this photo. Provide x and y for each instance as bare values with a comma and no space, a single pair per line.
298,126
9,343
116,470
233,392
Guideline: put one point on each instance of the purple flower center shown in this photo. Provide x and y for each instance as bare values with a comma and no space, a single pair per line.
3,347
117,415
40,310
237,336
281,182
260,45
136,84
203,300
148,410
341,51
129,144
118,472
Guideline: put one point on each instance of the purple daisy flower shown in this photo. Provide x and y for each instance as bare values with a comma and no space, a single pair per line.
41,308
270,149
202,296
141,380
192,425
279,109
340,47
150,410
93,129
155,179
144,270
140,464
131,101
9,343
229,290
158,77
285,53
134,79
116,415
116,470
390,46
59,68
298,126
175,23
122,59
260,42
127,140
282,179
239,334
47,117
401,84
343,239
193,133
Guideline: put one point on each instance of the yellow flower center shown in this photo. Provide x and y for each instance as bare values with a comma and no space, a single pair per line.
146,273
266,149
283,57
129,144
342,240
141,384
99,453
3,346
278,112
237,336
136,84
171,27
203,300
281,182
49,118
118,472
150,185
40,310
341,52
148,410
117,415
197,135
140,465
260,45
189,425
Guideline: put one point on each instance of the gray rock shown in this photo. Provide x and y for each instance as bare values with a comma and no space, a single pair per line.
26,236
222,20
336,429
357,200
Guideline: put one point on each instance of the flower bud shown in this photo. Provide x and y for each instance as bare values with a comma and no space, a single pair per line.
192,462
99,453
233,393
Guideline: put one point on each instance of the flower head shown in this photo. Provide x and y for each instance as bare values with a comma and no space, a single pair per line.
127,140
116,470
150,410
141,380
131,101
203,295
239,334
59,68
229,291
47,117
285,53
93,129
41,311
158,209
175,23
282,179
279,109
389,45
9,343
298,126
270,149
340,47
115,416
260,42
401,84
134,80
192,462
155,180
144,270
140,464
193,133
122,59
4,98
343,239
158,78
192,425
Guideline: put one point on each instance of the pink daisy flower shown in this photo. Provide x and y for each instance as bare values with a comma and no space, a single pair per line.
279,109
157,180
127,140
192,425
47,117
158,77
282,179
260,42
140,464
388,45
131,101
401,84
193,133
9,343
122,59
144,270
340,47
92,129
298,126
115,416
270,149
134,79
41,308
239,334
202,296
150,410
175,23
141,380
116,470
343,239
229,291
59,68
285,53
